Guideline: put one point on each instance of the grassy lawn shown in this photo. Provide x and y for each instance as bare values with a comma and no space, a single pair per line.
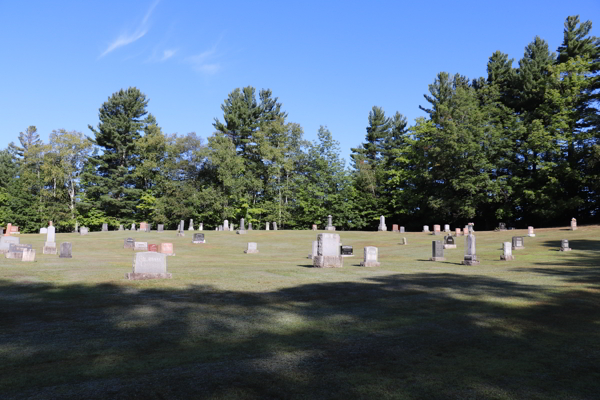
231,325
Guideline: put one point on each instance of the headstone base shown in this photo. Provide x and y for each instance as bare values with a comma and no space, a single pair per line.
180,234
469,262
328,261
49,248
382,229
436,233
507,258
133,276
28,255
17,255
518,247
449,246
199,241
241,232
565,249
531,234
250,251
370,264
65,256
437,259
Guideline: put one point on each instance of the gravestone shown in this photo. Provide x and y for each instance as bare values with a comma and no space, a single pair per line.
201,227
266,226
573,224
198,238
220,228
66,249
564,245
191,226
105,227
507,252
8,226
166,248
457,232
330,226
226,225
129,243
471,228
6,241
315,248
449,242
437,251
1,231
401,229
242,230
426,228
347,251
382,226
148,227
121,228
180,232
501,226
470,254
140,246
466,231
518,243
314,227
274,226
249,226
446,228
14,230
143,226
149,265
28,255
328,251
153,247
394,227
371,255
530,231
161,227
231,227
133,227
50,245
83,231
436,229
15,251
252,248
404,242
43,230
76,227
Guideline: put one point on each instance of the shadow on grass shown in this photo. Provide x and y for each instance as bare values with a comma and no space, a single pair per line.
434,336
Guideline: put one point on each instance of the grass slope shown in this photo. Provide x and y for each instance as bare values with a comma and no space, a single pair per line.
231,325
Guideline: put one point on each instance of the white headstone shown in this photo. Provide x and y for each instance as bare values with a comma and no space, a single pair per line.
328,251
149,265
371,257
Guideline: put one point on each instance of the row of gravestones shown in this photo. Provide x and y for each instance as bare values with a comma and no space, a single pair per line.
11,247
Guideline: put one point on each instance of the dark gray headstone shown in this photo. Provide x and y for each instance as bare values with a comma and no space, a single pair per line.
502,226
198,238
129,243
161,227
518,243
65,250
564,245
347,250
437,251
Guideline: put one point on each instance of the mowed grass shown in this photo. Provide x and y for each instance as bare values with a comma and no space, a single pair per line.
231,325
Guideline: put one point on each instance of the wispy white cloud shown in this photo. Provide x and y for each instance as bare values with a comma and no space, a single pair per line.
204,62
127,38
168,54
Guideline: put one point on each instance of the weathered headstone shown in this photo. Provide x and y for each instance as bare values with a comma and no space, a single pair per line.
564,245
83,231
457,232
50,245
191,226
148,227
140,246
501,226
28,255
43,230
15,251
166,248
394,227
437,251
518,243
180,232
471,228
371,255
252,248
143,226
226,225
129,243
530,231
133,227
573,224
105,227
315,249
466,231
201,227
330,226
436,229
149,265
470,254
507,252
242,230
198,238
6,241
231,227
347,251
274,226
446,228
8,229
66,249
161,227
328,251
314,227
449,242
404,241
426,228
153,247
121,228
382,226
402,229
266,226
220,227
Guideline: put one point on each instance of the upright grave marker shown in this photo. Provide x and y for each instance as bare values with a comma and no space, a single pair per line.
140,246
426,228
83,231
328,251
518,243
15,251
6,241
129,243
166,248
105,227
371,255
394,227
457,232
404,242
315,249
266,226
198,238
180,231
330,226
573,224
437,251
226,225
249,226
153,247
28,255
564,245
449,242
252,248
66,249
50,245
436,229
401,229
507,252
161,227
149,265
530,231
274,226
470,254
382,225
446,228
347,251
242,230
191,226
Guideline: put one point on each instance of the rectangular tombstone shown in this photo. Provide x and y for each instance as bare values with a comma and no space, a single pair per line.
140,246
402,229
180,232
6,241
15,251
129,243
83,231
436,229
148,227
121,228
226,225
166,248
449,242
457,232
315,249
153,247
507,252
191,226
50,245
314,227
382,226
573,224
466,231
43,230
65,250
564,245
249,226
371,255
518,243
143,226
198,238
274,226
501,226
133,227
252,248
347,251
161,227
328,251
426,228
404,242
149,265
28,255
446,228
530,231
242,230
266,226
470,254
437,251
231,227
394,227
330,226
104,227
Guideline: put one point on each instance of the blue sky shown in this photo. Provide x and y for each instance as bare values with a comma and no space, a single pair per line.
327,62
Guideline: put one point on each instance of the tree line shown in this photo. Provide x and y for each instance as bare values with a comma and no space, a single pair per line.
519,146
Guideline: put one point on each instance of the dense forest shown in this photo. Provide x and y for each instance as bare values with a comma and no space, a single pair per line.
521,146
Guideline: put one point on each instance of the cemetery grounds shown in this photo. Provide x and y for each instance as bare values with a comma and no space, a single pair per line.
231,325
